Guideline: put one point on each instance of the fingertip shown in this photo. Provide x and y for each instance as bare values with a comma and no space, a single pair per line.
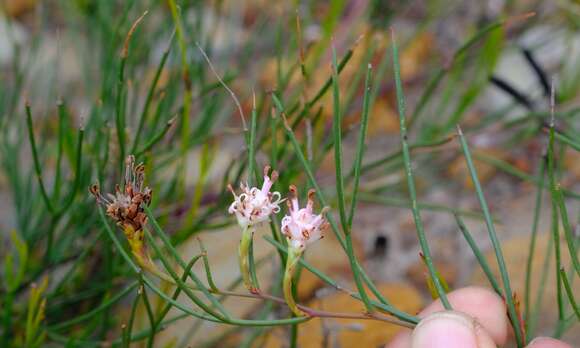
480,303
401,340
547,342
450,329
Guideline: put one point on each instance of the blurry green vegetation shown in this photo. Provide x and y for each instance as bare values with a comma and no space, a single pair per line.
66,270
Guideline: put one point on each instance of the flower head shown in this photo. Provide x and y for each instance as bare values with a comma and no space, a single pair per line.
255,205
302,226
126,205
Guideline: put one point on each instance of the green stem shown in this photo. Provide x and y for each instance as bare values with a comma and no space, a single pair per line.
345,221
243,253
537,209
294,255
187,95
150,93
410,180
494,241
119,112
570,293
478,255
538,303
555,222
37,167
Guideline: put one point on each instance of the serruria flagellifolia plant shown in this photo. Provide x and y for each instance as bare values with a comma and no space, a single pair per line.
69,280
128,208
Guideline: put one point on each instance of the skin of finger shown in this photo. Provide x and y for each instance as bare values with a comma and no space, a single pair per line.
547,342
450,329
480,303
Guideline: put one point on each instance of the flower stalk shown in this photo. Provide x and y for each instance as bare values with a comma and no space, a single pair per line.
294,255
244,259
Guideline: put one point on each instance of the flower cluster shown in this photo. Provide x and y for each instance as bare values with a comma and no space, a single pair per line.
302,227
254,205
125,207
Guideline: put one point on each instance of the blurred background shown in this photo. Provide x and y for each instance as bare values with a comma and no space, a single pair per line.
82,93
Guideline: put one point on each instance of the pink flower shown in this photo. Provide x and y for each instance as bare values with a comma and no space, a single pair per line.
302,227
254,205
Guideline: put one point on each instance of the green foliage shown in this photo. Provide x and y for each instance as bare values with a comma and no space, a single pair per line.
172,87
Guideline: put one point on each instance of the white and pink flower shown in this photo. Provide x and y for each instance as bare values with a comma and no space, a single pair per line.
255,205
302,227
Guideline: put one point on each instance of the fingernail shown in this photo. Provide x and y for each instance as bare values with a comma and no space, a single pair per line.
449,330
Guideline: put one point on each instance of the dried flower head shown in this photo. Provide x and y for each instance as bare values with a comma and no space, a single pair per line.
126,205
255,205
302,226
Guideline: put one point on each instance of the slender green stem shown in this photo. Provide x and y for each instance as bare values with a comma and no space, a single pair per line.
231,321
225,315
119,110
177,291
510,169
187,95
396,202
360,148
252,144
410,180
149,311
307,168
157,138
555,221
398,153
110,302
538,303
310,104
322,91
293,258
478,255
150,94
570,293
243,258
567,140
344,219
536,219
78,174
209,277
337,136
325,278
61,130
253,268
494,241
438,76
129,328
568,233
37,166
